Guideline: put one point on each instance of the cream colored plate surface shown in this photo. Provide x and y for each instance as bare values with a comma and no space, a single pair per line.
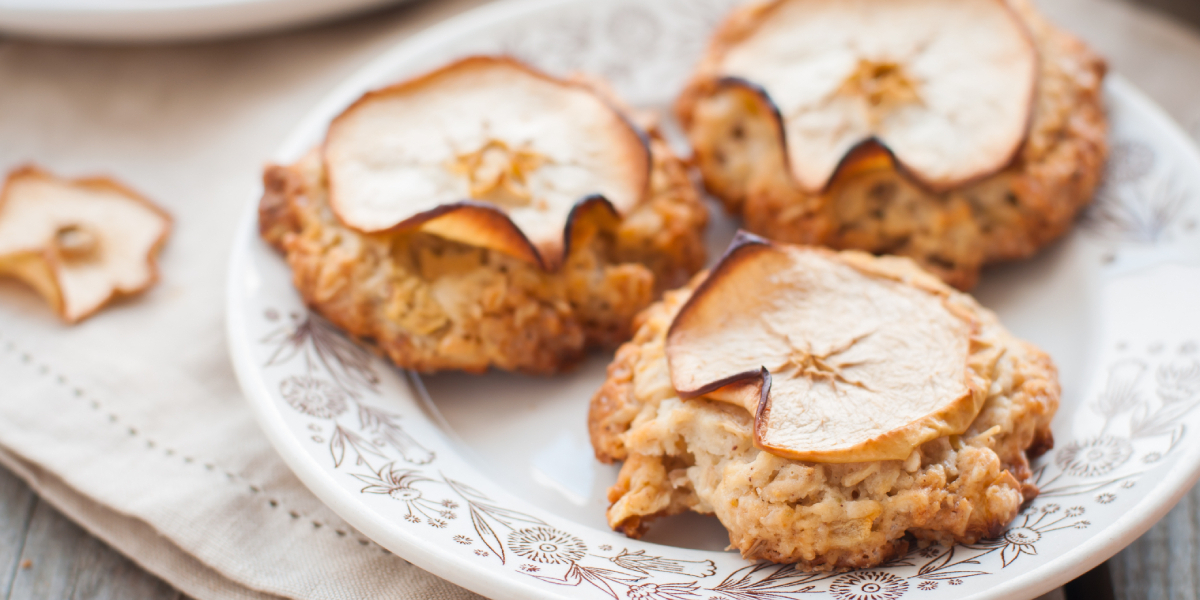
489,481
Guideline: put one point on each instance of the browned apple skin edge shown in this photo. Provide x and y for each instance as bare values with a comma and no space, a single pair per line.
492,228
594,206
489,227
744,246
485,218
51,257
730,32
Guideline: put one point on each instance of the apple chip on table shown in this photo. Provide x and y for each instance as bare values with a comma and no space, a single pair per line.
81,243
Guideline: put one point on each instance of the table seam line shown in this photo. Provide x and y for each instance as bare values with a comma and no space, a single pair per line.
16,567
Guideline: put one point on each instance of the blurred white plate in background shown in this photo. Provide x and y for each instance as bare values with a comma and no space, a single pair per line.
164,20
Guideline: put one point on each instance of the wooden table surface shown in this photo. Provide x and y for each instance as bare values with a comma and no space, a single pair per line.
44,556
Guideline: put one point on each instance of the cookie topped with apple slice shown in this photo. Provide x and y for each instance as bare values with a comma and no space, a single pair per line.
827,407
486,214
955,132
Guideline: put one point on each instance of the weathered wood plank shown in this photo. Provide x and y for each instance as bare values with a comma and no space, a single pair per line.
60,561
16,507
1186,10
1163,562
1093,585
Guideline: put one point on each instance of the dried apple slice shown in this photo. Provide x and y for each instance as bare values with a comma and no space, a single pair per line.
838,362
78,243
946,85
485,151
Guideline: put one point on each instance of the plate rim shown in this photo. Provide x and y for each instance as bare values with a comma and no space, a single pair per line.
174,21
1176,482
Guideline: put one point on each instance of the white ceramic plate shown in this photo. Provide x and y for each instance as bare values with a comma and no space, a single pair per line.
164,20
490,482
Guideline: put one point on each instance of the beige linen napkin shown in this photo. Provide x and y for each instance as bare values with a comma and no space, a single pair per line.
131,423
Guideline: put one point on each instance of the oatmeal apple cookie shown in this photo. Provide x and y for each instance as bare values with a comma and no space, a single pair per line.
972,134
859,433
526,275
